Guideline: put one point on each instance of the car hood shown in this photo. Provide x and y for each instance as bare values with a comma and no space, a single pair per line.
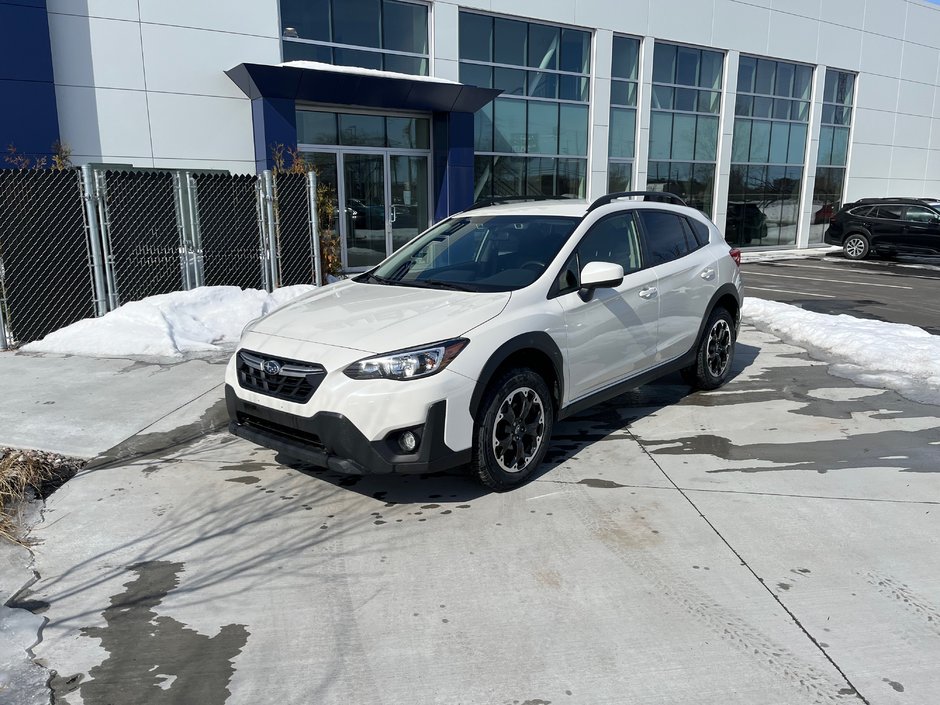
375,318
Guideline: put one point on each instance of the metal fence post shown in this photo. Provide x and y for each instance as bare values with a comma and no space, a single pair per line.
263,233
90,197
314,228
104,223
195,233
5,339
270,219
181,203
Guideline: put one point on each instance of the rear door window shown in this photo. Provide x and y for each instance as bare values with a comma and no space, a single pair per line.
664,235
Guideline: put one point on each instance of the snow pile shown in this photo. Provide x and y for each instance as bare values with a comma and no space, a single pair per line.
875,353
771,255
204,320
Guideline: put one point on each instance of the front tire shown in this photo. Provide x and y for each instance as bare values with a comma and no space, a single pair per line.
856,246
715,353
513,430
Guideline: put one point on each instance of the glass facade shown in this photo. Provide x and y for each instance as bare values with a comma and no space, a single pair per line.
623,97
833,155
533,139
684,127
768,152
390,35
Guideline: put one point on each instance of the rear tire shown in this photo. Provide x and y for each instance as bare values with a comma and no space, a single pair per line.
715,353
856,246
513,429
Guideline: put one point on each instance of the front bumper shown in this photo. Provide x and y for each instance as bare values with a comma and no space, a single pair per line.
330,440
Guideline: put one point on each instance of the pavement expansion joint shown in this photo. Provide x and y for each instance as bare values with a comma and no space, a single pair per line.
759,579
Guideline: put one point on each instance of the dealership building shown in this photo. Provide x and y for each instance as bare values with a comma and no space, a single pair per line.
765,114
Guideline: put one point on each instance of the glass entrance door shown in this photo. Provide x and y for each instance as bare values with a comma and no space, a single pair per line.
365,211
409,197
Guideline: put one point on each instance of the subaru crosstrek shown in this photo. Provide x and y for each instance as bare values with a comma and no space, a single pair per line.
467,344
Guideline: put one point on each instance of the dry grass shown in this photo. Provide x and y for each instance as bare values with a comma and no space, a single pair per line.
27,475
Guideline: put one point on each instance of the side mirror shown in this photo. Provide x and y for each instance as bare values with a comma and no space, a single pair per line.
599,275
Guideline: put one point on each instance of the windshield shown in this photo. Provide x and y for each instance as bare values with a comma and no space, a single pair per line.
477,253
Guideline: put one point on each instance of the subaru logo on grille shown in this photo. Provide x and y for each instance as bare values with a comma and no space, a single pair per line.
271,367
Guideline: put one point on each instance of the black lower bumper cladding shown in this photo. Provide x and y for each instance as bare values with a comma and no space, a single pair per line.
330,440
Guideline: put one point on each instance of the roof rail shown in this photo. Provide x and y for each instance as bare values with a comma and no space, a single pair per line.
897,199
496,200
657,196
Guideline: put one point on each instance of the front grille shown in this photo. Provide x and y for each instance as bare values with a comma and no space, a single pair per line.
290,380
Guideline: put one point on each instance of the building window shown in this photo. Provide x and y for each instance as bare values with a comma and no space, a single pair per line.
768,152
533,139
390,35
833,155
686,103
623,91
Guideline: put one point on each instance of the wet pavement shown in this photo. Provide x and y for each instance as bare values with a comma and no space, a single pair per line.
774,541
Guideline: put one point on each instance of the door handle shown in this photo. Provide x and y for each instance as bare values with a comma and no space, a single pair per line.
708,274
648,293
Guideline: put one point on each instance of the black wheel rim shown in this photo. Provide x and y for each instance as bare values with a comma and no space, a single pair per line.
719,348
518,430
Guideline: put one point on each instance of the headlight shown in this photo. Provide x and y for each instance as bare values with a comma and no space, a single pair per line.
408,364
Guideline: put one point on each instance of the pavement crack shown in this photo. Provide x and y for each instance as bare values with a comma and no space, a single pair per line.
751,570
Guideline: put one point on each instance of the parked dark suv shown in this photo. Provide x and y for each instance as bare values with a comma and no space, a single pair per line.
887,226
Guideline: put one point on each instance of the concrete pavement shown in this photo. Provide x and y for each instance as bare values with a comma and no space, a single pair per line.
770,542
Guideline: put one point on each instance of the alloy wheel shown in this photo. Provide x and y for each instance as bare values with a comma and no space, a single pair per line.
719,347
519,429
855,247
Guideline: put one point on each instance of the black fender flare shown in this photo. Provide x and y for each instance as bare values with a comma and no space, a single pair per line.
538,340
720,293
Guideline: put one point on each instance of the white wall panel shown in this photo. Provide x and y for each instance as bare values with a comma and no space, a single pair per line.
445,31
915,98
885,17
881,55
105,124
876,92
739,26
922,23
803,8
793,37
866,187
919,63
912,131
630,17
113,9
201,128
908,163
849,13
840,47
693,24
96,52
934,134
933,166
871,160
199,59
873,126
241,16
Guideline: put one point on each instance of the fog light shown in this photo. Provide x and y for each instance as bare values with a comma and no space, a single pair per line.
408,442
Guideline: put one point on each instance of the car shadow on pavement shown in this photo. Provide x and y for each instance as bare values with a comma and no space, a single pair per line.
570,437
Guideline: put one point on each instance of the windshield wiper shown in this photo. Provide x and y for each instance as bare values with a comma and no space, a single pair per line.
369,276
438,284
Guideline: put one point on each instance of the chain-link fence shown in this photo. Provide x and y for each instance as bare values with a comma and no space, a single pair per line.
74,245
45,281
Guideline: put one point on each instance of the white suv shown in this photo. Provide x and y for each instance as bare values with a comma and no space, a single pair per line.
468,343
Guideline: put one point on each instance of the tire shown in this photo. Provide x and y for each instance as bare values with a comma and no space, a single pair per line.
504,454
715,353
856,246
